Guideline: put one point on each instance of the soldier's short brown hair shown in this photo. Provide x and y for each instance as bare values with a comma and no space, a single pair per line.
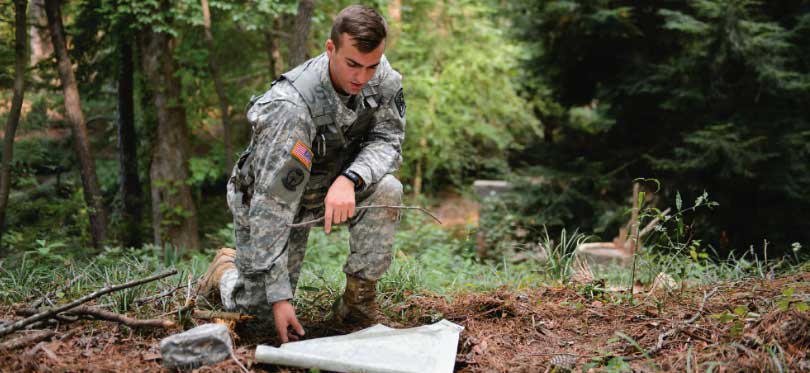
364,24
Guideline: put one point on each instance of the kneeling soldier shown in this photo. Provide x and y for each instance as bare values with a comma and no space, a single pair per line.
327,137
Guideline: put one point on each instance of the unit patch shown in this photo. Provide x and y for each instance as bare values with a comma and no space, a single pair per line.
399,101
293,179
303,154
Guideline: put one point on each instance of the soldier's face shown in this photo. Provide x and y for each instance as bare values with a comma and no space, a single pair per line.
349,68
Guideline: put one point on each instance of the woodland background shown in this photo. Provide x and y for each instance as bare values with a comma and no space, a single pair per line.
133,115
123,118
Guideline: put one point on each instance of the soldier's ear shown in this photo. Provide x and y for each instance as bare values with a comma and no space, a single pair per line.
330,48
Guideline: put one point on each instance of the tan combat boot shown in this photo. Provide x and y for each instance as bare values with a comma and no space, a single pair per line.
358,306
209,283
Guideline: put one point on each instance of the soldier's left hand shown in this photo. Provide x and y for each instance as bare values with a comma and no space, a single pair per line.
339,203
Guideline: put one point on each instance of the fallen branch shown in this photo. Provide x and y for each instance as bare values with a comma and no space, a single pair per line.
54,311
312,223
101,314
26,340
33,311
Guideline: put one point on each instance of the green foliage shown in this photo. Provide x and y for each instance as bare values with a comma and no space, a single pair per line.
707,90
790,300
736,318
460,73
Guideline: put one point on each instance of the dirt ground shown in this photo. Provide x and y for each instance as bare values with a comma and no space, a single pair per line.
753,325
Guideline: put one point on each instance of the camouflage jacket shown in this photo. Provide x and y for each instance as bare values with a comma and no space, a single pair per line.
303,138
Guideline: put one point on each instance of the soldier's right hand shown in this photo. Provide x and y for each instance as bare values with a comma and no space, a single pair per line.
339,203
284,316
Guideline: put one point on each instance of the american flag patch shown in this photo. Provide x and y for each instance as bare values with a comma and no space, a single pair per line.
302,153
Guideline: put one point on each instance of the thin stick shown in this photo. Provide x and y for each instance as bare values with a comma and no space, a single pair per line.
34,311
208,315
100,314
152,298
233,356
53,311
312,223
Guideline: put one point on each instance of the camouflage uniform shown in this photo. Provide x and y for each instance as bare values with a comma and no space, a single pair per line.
304,137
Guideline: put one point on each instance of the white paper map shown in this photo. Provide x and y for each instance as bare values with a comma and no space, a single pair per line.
424,349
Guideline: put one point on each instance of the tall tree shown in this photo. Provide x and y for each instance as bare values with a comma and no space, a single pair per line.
40,47
220,88
300,33
73,109
272,45
130,184
174,219
16,107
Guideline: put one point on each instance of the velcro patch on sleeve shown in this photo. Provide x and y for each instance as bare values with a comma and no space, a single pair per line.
399,101
302,153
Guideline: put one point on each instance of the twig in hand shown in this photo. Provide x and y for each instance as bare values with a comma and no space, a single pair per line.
53,311
26,340
312,223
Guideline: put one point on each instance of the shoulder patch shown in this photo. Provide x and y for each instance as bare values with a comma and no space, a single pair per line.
302,153
399,101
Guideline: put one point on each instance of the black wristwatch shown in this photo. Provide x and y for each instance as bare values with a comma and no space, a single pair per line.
355,178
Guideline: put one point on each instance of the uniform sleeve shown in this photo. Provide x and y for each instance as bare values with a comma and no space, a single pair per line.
281,167
381,154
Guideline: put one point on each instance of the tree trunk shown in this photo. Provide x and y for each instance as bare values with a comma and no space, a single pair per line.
41,48
394,23
16,108
273,47
220,88
130,183
73,109
300,33
174,219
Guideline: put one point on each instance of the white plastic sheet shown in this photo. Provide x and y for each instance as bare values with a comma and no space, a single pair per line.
424,349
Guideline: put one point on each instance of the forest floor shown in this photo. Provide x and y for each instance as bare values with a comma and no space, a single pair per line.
748,325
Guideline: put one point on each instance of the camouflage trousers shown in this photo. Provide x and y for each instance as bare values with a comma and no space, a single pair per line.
370,245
